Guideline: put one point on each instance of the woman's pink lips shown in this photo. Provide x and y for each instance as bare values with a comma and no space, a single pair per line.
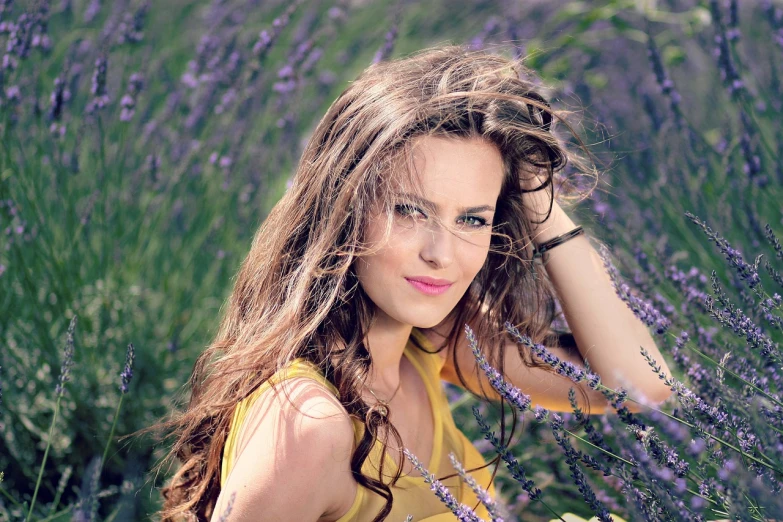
427,288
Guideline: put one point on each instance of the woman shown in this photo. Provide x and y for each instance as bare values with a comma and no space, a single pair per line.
420,205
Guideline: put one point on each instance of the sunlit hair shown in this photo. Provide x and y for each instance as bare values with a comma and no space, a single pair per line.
297,294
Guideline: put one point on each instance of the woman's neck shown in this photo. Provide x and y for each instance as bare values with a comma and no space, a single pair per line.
386,342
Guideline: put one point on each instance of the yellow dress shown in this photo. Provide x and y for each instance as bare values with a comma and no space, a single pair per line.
411,494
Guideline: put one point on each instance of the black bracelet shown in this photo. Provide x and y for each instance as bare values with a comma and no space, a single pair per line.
552,243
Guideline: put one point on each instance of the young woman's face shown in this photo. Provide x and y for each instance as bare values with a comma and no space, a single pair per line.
446,237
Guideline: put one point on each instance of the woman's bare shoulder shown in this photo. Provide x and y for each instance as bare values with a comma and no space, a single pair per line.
289,446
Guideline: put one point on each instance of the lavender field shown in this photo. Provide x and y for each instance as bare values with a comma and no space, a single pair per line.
142,143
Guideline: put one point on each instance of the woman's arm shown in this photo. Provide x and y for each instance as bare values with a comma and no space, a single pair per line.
606,331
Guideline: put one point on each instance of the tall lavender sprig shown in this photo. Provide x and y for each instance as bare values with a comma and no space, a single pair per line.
664,82
461,511
752,167
728,71
511,393
593,435
388,45
746,271
516,469
131,29
642,309
564,368
93,8
267,37
65,369
128,101
773,240
60,95
572,458
125,377
734,319
100,97
127,372
65,372
663,454
492,507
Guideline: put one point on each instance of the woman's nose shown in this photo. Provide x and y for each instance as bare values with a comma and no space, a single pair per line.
438,246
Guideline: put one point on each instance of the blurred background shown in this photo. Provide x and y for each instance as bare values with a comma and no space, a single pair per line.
143,143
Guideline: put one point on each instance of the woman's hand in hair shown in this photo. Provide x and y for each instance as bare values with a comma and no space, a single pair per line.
544,213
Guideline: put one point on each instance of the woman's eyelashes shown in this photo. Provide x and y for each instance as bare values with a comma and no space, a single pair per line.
408,210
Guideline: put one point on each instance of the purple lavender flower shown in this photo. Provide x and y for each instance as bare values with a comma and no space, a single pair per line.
59,96
492,507
690,401
388,45
746,271
664,82
541,414
65,369
510,392
593,435
770,235
572,458
741,324
564,368
642,309
462,512
687,287
312,59
267,38
127,372
98,87
775,18
131,28
93,8
661,452
128,101
733,33
752,166
721,51
20,38
128,104
516,469
490,26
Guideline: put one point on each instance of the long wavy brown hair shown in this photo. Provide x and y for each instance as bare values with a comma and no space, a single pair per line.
297,294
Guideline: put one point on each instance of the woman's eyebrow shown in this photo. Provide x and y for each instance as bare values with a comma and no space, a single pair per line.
426,202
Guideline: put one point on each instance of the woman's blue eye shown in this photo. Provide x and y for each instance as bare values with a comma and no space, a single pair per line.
479,223
409,210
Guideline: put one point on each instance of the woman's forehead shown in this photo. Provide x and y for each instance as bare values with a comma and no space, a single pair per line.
450,171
